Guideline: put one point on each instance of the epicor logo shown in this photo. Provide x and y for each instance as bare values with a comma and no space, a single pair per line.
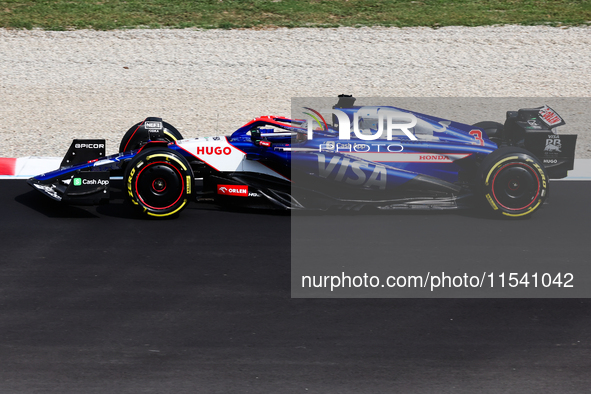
89,146
233,190
210,150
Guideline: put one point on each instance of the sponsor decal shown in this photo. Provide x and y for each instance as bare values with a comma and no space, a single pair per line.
358,174
219,155
541,172
553,144
417,157
437,158
233,190
548,116
89,146
491,202
211,150
103,182
80,182
130,181
265,143
153,125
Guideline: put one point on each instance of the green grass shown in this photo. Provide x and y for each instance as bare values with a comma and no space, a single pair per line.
228,14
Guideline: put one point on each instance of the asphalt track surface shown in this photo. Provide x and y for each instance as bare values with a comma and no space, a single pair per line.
95,300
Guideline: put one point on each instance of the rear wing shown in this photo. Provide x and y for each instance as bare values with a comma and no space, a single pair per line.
535,130
555,151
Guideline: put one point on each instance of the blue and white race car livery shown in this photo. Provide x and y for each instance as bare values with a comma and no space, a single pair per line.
378,156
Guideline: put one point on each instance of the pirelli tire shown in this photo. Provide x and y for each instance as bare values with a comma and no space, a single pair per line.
159,182
133,140
514,182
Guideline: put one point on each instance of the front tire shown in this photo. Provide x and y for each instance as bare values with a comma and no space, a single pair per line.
514,182
134,138
159,182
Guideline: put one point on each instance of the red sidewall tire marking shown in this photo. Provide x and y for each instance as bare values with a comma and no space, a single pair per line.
513,164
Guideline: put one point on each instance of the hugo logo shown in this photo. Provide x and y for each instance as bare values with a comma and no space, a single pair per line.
210,150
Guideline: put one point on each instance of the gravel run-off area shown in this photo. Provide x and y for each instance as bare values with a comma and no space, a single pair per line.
56,86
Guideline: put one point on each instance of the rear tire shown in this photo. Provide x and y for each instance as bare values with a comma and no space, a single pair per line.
159,182
514,182
493,130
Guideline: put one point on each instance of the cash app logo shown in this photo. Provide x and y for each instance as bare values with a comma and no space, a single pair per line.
77,181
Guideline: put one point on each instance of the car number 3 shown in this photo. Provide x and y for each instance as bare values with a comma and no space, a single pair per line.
477,134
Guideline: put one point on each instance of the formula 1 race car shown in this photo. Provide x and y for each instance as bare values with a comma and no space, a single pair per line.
392,159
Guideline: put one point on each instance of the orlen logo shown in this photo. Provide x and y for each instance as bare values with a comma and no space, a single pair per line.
210,150
233,190
89,146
